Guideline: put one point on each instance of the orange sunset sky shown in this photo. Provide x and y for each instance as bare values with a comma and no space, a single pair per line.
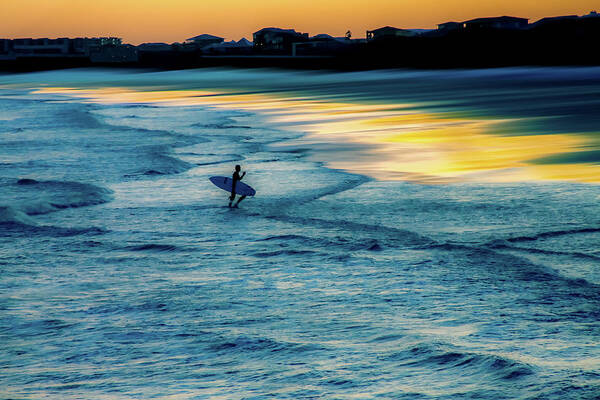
138,21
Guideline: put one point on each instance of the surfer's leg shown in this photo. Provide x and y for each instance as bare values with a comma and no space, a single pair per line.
240,199
231,198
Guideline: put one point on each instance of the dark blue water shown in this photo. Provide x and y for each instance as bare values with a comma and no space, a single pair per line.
123,273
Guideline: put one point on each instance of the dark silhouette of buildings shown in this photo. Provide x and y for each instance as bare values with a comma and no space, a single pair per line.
503,22
277,40
450,26
61,46
479,42
326,45
241,47
193,52
43,53
492,42
154,47
388,32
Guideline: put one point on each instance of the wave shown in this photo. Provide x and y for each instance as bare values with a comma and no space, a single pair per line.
10,215
222,122
283,237
550,234
138,105
501,245
239,158
162,164
339,242
220,126
268,254
374,237
28,228
273,347
517,266
27,181
281,205
35,114
48,196
28,197
439,357
156,247
81,117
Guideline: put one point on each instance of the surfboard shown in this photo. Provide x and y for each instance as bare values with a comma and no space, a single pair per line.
224,183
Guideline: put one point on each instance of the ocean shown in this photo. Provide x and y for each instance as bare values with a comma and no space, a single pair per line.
414,235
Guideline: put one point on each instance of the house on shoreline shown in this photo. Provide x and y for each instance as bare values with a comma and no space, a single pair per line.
324,45
277,40
388,32
503,22
242,46
60,46
203,40
97,49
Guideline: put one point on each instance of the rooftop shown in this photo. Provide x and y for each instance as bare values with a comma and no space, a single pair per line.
502,18
204,36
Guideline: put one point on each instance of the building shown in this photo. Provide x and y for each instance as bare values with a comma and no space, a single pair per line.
43,46
491,23
591,23
204,40
571,30
114,54
450,26
101,49
322,37
4,45
103,41
504,22
277,39
28,47
389,32
567,24
154,47
242,46
86,46
323,45
554,20
243,42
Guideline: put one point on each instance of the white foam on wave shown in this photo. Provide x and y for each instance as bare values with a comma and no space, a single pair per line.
9,214
30,197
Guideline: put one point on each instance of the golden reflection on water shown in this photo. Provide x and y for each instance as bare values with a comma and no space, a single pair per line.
390,141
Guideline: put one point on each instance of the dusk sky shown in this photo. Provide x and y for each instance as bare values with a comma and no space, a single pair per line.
138,21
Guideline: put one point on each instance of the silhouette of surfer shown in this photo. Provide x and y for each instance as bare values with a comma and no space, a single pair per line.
235,178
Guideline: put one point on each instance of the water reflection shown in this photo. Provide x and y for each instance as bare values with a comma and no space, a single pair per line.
395,125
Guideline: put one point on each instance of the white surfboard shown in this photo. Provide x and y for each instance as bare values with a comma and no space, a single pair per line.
224,183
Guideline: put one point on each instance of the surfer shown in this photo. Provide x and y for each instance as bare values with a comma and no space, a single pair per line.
235,178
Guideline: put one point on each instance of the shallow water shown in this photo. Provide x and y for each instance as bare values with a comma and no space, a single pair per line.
125,274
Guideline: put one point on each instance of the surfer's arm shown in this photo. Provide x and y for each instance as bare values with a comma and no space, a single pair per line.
243,174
